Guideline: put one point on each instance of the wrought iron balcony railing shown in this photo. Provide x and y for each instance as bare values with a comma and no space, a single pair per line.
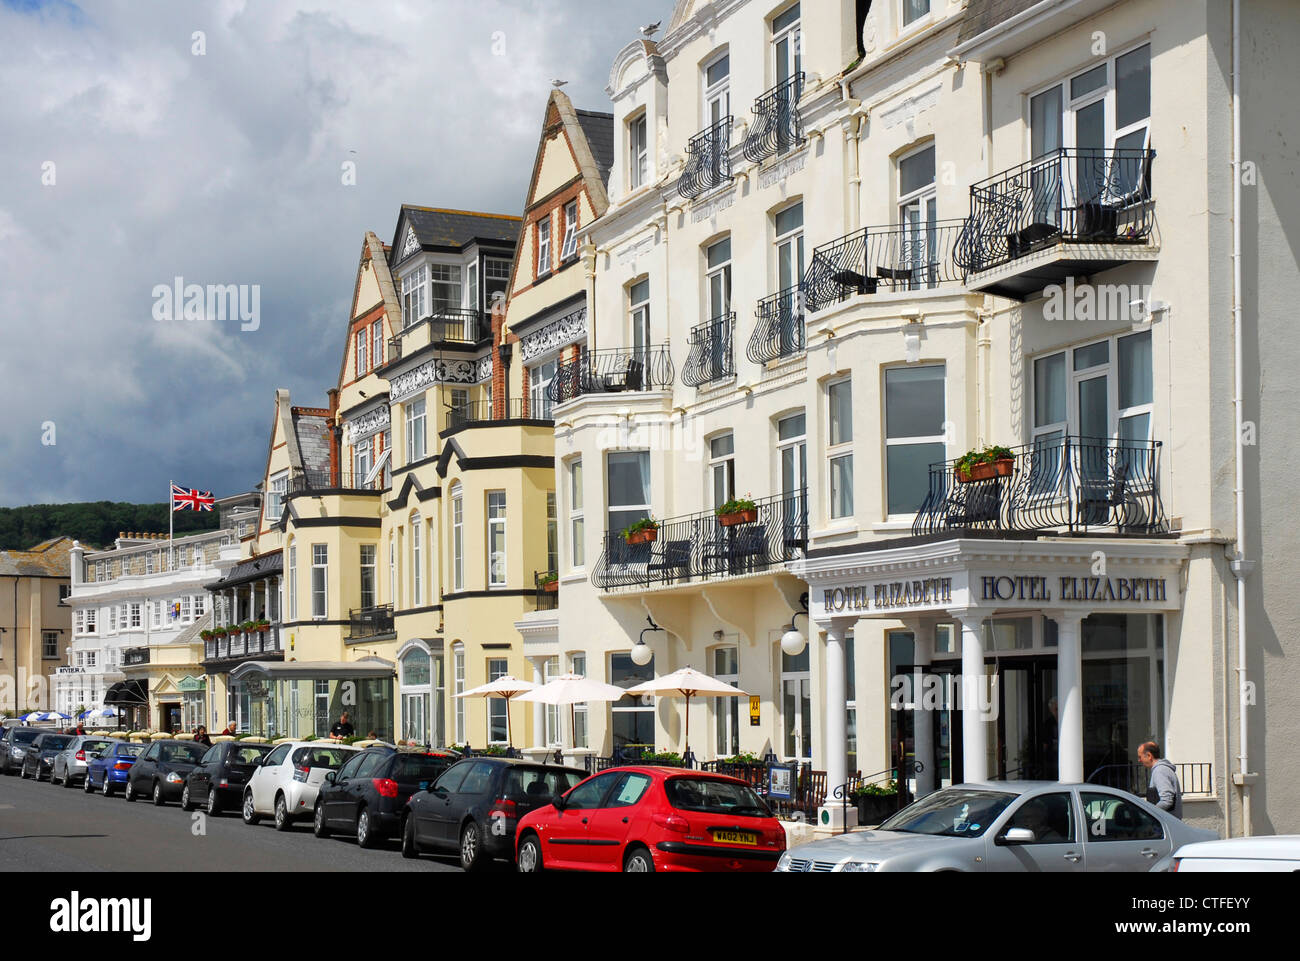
777,126
456,326
886,258
708,160
611,372
548,593
711,356
699,547
1059,483
1070,195
135,655
485,412
370,622
778,328
305,481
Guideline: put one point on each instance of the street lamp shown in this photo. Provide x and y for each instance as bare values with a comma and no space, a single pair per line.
792,641
641,653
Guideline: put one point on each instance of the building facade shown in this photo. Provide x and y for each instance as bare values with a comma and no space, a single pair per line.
35,624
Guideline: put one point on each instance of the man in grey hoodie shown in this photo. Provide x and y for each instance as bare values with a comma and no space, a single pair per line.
1163,791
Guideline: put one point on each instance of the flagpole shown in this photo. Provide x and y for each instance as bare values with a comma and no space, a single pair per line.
171,515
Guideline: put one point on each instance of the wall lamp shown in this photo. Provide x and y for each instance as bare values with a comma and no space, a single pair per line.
792,641
641,653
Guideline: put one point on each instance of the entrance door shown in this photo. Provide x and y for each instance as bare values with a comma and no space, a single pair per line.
1027,721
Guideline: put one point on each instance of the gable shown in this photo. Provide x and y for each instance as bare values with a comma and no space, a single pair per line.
556,169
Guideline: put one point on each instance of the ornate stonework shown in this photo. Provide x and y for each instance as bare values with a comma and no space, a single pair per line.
907,109
710,208
632,251
366,425
558,333
484,372
411,244
432,372
775,174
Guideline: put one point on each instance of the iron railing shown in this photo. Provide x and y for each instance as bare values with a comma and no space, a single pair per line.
612,371
1058,483
547,600
135,655
457,326
886,258
711,357
1195,777
884,803
708,160
486,412
699,547
778,327
243,644
305,481
777,126
1070,195
370,622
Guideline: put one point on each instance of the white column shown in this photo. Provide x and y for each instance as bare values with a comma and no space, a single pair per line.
837,736
974,731
1069,695
923,715
539,709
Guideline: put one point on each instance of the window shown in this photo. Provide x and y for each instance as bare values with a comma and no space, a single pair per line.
839,451
796,706
589,794
787,44
576,528
722,468
638,153
91,614
458,682
498,724
278,487
544,246
914,434
200,605
293,582
914,10
415,433
136,622
632,715
417,569
550,671
639,314
1114,819
386,447
457,539
367,576
629,488
792,453
377,344
552,534
578,665
718,278
148,563
1098,390
471,286
363,341
50,643
187,610
570,246
789,247
362,461
717,91
918,213
496,281
727,709
414,294
496,537
445,292
539,378
319,578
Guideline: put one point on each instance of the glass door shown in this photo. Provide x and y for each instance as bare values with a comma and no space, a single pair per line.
787,53
792,453
796,707
1045,143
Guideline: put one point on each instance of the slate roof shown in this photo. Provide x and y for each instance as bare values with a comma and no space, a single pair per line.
984,15
598,128
313,434
51,558
252,569
458,228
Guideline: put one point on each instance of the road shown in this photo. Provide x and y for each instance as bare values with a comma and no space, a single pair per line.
46,828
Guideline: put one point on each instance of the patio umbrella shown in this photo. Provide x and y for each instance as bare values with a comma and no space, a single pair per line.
105,712
505,687
686,682
572,689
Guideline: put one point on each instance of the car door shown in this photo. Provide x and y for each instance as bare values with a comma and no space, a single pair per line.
268,778
430,807
566,843
143,769
1057,846
472,798
1121,835
200,780
341,807
608,825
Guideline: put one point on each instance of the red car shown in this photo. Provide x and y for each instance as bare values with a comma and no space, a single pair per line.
652,819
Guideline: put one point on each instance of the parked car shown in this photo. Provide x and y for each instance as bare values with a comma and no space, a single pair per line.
285,784
1009,826
218,781
367,796
70,763
39,759
1277,852
107,769
474,806
160,772
13,747
645,819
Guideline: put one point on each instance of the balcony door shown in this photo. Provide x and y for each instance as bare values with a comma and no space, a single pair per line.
787,64
792,456
639,306
717,91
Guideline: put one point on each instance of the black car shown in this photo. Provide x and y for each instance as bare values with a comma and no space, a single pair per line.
13,747
368,795
219,779
161,770
475,805
39,759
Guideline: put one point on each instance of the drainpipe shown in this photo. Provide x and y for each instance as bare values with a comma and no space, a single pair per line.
1241,565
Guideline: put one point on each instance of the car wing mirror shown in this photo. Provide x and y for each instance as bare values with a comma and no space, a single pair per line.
331,777
1017,836
560,802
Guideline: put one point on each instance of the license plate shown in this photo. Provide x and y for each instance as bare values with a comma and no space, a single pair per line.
736,837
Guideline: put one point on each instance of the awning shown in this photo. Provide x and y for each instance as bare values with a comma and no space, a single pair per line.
370,667
128,693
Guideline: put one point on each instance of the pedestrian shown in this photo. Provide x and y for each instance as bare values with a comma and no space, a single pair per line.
201,736
342,729
1163,790
81,728
230,730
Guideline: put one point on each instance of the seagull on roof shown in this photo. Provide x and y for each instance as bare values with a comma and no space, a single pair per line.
650,29
557,84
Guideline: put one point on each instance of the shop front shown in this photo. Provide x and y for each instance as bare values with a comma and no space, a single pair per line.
423,691
303,699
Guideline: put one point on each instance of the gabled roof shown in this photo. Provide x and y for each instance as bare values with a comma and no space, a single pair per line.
598,128
50,558
435,228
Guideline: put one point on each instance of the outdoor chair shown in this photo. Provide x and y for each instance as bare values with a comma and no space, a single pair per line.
672,561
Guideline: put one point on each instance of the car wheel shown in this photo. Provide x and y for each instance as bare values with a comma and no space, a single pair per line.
106,788
250,813
22,772
529,858
129,793
88,787
639,862
214,803
409,850
282,819
367,837
157,794
67,779
471,848
318,825
185,798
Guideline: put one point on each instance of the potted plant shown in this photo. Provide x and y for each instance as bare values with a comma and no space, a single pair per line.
738,510
262,626
985,464
642,532
248,626
549,582
206,634
876,802
219,632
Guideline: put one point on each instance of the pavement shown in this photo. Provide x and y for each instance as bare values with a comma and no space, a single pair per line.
44,827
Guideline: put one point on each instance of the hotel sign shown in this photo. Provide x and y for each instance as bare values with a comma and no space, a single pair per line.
1071,589
894,595
993,590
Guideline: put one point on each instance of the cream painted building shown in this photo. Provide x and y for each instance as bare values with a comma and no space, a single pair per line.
35,625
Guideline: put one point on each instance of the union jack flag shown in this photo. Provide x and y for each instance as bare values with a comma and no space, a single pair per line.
191,500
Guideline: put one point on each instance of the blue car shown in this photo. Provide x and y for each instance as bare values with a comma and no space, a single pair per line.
107,770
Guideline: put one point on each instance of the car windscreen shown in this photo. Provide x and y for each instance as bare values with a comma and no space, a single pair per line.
130,750
951,813
182,753
248,753
539,782
714,797
55,743
419,767
91,747
25,737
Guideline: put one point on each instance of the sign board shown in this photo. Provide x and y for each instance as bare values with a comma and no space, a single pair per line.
753,711
782,781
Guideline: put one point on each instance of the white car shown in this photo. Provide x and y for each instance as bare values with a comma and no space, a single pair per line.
1278,852
286,781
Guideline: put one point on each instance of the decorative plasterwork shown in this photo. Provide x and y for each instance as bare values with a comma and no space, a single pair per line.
366,425
710,208
411,244
775,174
634,251
484,372
564,330
907,110
432,372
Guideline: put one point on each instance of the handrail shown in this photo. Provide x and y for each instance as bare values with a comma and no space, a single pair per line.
779,327
445,325
777,126
619,370
898,773
888,257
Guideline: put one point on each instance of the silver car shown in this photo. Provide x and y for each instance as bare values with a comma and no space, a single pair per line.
1008,826
70,764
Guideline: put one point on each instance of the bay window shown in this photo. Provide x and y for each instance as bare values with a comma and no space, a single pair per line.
628,476
577,530
914,433
415,431
457,538
319,580
496,537
417,568
415,296
445,290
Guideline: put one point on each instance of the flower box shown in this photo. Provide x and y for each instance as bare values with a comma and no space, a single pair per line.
737,518
987,470
550,587
644,536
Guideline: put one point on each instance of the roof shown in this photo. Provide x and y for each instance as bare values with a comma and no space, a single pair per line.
458,228
598,128
50,558
252,569
312,431
982,15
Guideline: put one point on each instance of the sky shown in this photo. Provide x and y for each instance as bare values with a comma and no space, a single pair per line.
145,140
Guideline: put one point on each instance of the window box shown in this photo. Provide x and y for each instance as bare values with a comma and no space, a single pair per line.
985,465
642,532
736,512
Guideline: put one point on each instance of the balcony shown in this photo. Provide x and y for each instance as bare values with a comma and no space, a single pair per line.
612,372
240,644
548,593
1059,484
484,412
698,547
134,656
370,622
1070,212
777,127
447,326
309,481
711,356
779,327
708,160
884,259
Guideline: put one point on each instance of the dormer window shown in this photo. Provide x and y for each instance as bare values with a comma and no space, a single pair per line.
414,296
446,286
638,152
544,246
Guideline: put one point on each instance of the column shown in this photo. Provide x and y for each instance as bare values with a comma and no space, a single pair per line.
923,713
974,729
539,709
1069,695
837,736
